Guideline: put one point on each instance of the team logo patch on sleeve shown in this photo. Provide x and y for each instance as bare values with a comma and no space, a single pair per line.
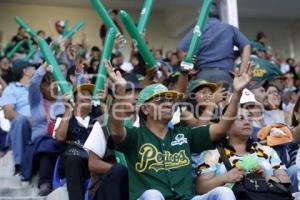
179,140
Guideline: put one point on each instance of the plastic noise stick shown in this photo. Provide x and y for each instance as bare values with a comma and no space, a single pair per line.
145,13
15,49
55,69
137,39
74,30
26,27
106,55
187,63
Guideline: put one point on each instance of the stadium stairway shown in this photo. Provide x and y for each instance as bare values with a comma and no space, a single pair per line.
12,188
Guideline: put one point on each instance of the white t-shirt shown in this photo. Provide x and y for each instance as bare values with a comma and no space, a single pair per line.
96,141
274,116
284,68
84,122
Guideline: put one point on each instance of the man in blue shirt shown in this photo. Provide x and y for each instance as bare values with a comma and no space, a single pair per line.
16,109
215,55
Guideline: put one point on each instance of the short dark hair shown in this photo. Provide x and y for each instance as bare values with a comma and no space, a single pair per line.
20,28
266,86
142,117
95,48
260,35
47,78
41,31
115,11
289,59
214,11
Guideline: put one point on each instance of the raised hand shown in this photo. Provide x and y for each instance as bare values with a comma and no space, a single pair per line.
115,80
241,80
66,100
73,51
120,39
219,95
272,102
151,73
46,67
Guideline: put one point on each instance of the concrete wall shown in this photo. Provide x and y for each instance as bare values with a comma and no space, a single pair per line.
44,17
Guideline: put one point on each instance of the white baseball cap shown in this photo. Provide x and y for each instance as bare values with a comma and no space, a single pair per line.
248,97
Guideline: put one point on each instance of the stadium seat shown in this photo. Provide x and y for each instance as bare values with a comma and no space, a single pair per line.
57,181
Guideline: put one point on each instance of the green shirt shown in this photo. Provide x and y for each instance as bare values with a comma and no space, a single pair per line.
163,164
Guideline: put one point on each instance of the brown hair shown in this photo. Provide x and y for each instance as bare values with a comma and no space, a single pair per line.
47,79
295,122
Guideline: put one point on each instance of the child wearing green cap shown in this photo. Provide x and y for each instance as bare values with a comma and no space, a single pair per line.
204,97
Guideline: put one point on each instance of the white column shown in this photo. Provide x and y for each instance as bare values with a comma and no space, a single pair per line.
229,12
291,42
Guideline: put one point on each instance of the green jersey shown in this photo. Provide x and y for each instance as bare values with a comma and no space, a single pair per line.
163,164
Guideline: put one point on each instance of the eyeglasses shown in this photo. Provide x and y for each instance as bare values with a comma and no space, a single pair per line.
163,99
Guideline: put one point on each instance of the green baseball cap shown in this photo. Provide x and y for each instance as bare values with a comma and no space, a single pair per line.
19,64
257,46
265,70
156,90
276,73
195,84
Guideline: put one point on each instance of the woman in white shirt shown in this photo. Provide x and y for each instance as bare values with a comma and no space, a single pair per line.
272,113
